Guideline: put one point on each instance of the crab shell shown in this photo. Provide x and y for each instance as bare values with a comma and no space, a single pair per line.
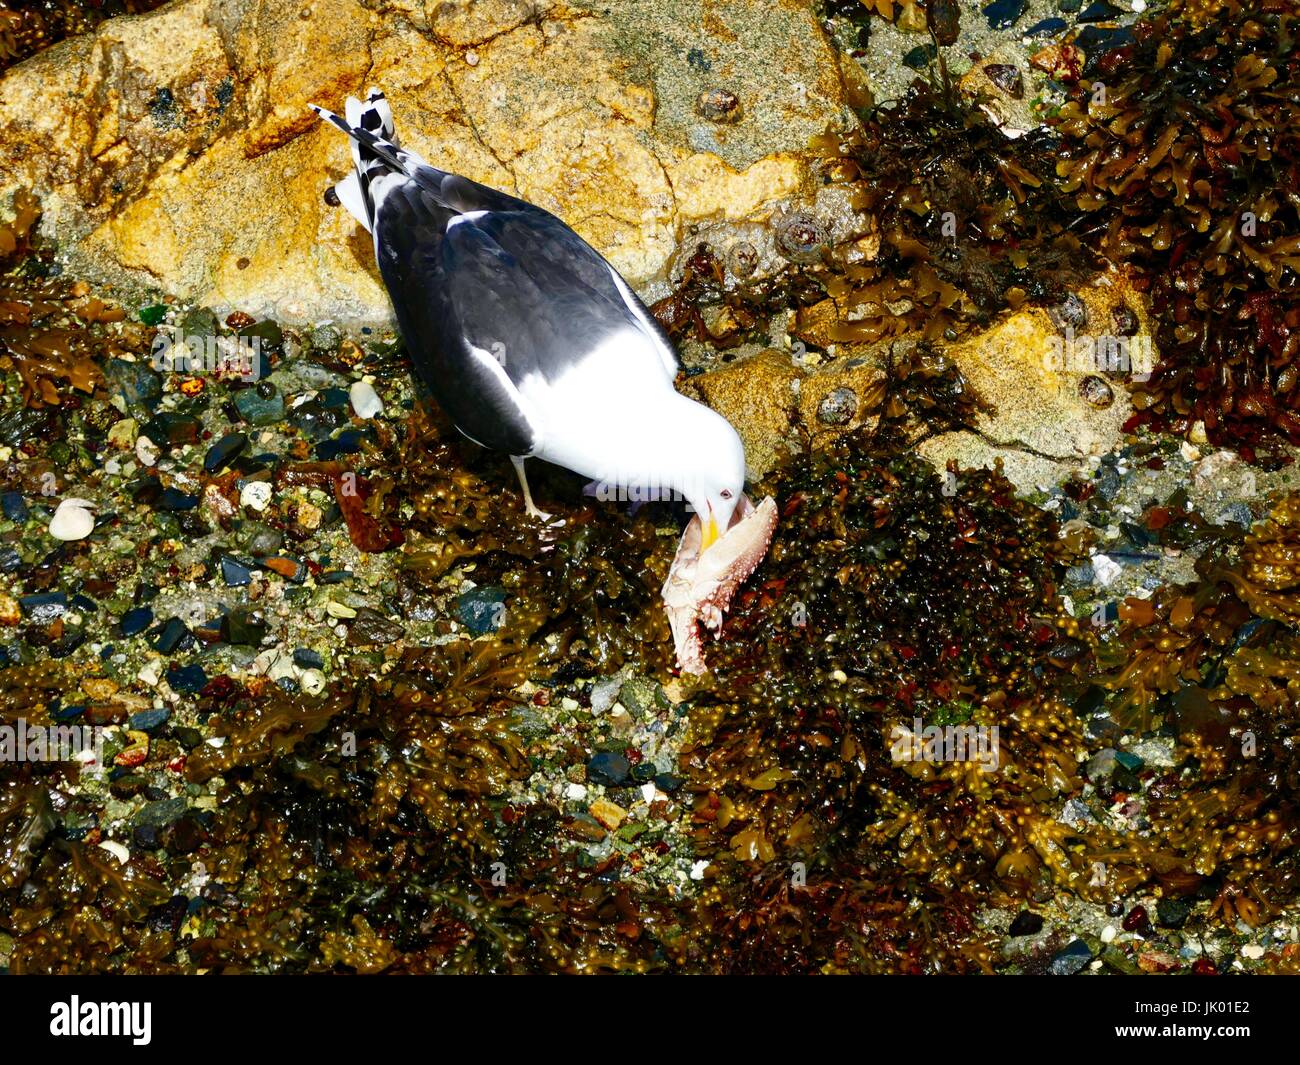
700,587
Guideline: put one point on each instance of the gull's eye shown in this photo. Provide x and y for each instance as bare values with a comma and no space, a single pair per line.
726,493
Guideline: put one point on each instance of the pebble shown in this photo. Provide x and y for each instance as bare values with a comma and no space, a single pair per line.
257,409
14,506
365,400
135,621
256,494
312,681
188,679
172,635
116,850
1026,923
482,610
146,452
224,452
1003,13
1072,959
148,720
72,520
608,768
45,608
1105,570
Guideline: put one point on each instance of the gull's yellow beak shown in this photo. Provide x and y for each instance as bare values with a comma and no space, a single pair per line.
710,533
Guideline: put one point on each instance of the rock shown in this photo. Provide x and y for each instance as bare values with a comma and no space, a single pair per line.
608,768
148,139
258,409
757,396
1002,14
365,401
72,520
1072,959
135,621
224,452
1036,420
1026,923
14,506
482,610
1173,913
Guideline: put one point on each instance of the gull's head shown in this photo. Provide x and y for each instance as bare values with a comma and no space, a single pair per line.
713,470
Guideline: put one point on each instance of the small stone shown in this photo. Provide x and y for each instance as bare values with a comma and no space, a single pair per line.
1101,765
173,634
1074,958
365,400
72,520
1026,923
135,621
149,720
45,608
608,768
256,495
137,383
718,105
243,628
1003,13
257,409
482,610
188,679
224,452
235,573
1105,570
14,506
1173,913
1048,27
608,813
172,429
174,500
312,681
305,658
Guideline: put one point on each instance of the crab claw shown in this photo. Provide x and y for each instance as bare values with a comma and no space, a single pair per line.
701,584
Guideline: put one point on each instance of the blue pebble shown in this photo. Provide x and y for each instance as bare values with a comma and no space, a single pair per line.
224,452
1003,13
1048,27
14,506
235,573
148,720
305,658
608,768
135,621
188,679
174,633
176,500
482,610
335,397
67,713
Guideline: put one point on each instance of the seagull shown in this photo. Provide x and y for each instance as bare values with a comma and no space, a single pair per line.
528,339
